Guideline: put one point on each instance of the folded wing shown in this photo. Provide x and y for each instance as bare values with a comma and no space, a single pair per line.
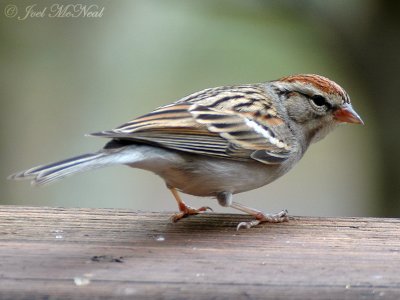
218,132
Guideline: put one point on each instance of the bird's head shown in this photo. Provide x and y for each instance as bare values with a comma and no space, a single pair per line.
315,103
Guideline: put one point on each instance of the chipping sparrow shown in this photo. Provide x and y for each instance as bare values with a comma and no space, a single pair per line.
220,141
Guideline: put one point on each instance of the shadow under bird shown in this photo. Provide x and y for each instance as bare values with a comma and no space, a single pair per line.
220,141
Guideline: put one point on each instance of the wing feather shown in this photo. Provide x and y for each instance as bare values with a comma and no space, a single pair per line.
217,128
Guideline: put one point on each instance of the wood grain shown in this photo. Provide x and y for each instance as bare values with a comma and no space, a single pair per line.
56,253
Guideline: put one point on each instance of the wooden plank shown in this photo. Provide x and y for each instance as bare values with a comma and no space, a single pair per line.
56,253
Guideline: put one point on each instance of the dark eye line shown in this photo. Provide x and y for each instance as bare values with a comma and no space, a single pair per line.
318,100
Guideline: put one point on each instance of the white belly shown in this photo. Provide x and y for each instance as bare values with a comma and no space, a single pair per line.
209,177
206,176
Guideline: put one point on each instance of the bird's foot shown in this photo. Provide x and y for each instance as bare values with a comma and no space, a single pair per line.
262,217
186,211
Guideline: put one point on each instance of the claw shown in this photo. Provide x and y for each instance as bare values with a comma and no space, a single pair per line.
247,225
185,210
274,218
261,218
189,211
205,208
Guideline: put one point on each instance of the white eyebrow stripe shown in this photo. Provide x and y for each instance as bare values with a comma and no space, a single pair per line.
265,133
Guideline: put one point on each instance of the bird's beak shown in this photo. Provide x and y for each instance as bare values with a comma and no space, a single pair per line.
347,114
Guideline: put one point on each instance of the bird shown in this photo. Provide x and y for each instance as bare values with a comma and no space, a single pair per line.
220,141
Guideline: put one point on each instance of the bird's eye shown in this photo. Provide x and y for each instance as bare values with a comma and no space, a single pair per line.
319,100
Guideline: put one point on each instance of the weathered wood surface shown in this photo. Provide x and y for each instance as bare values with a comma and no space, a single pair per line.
55,253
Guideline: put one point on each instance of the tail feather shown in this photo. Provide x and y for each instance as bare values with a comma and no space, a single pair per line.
45,174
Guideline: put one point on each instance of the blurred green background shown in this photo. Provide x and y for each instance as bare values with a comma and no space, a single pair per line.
64,77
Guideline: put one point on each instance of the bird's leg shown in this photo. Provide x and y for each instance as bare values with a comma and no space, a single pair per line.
225,199
184,210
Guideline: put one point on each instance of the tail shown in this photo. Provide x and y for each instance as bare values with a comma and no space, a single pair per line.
45,174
